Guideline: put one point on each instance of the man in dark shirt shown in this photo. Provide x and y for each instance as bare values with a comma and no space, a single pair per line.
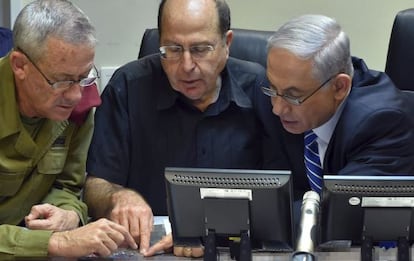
190,106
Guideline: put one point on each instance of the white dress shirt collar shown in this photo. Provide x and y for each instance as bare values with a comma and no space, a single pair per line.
325,131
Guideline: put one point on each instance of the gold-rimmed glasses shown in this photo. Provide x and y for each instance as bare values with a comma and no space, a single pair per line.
175,52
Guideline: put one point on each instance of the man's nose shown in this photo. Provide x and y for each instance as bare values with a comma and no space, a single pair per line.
187,61
279,105
74,93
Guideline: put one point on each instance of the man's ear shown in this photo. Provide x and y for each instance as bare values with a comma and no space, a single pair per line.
18,63
342,85
229,40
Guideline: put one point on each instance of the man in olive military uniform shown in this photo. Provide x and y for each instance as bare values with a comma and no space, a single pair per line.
44,137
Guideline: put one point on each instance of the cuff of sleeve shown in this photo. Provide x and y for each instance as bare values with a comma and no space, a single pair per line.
82,218
33,242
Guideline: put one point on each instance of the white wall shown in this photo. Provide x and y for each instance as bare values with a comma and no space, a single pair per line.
4,13
120,23
367,22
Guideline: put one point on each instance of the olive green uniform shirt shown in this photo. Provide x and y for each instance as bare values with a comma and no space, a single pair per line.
47,169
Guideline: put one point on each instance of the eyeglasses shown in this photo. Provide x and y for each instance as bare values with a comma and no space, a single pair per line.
175,52
294,100
61,85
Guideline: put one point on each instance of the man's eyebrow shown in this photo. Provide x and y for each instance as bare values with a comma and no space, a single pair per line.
202,42
65,75
288,89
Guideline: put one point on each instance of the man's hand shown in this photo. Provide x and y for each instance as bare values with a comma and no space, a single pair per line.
188,251
166,244
121,205
99,238
132,212
49,217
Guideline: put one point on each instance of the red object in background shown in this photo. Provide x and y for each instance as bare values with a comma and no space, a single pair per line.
90,99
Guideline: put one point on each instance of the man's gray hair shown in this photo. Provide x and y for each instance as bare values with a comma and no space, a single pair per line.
60,19
319,38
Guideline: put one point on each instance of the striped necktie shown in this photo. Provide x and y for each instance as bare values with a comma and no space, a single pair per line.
312,162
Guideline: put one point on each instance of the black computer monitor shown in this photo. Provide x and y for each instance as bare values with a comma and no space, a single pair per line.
228,203
355,209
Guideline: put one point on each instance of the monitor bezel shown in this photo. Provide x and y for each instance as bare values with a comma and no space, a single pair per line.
186,216
350,206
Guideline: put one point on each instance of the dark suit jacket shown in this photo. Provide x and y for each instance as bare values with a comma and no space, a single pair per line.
374,135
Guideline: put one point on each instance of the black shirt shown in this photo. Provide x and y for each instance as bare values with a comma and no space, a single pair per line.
143,126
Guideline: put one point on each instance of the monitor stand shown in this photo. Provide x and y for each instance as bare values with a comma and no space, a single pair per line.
227,218
403,253
367,249
210,247
240,251
379,224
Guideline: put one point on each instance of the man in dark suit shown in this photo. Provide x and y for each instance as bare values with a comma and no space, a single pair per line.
362,123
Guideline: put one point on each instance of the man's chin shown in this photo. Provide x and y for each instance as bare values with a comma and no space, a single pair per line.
292,127
59,116
192,94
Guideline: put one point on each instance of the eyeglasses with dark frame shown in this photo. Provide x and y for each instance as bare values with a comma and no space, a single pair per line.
175,52
293,100
62,85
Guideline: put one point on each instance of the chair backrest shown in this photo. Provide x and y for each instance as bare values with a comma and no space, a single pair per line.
409,97
250,45
400,57
6,41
